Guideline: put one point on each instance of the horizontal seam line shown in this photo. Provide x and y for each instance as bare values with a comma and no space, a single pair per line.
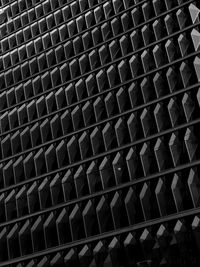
90,127
102,68
63,23
90,72
105,235
33,7
104,154
104,192
91,49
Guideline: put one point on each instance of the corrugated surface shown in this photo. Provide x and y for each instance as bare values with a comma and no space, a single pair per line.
100,133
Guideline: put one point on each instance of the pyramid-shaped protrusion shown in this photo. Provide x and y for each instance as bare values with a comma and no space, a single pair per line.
161,117
186,73
118,167
68,185
99,253
182,18
93,177
164,262
145,156
191,143
147,122
89,219
3,16
196,223
121,132
174,111
197,67
71,258
195,228
80,181
147,241
160,154
184,44
44,262
55,190
104,215
180,231
76,223
175,148
196,39
50,233
188,106
114,252
170,50
130,240
116,207
163,236
132,126
57,260
198,97
194,13
160,196
85,256
194,186
25,239
132,163
177,189
37,234
130,245
31,263
106,173
130,204
63,227
145,198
